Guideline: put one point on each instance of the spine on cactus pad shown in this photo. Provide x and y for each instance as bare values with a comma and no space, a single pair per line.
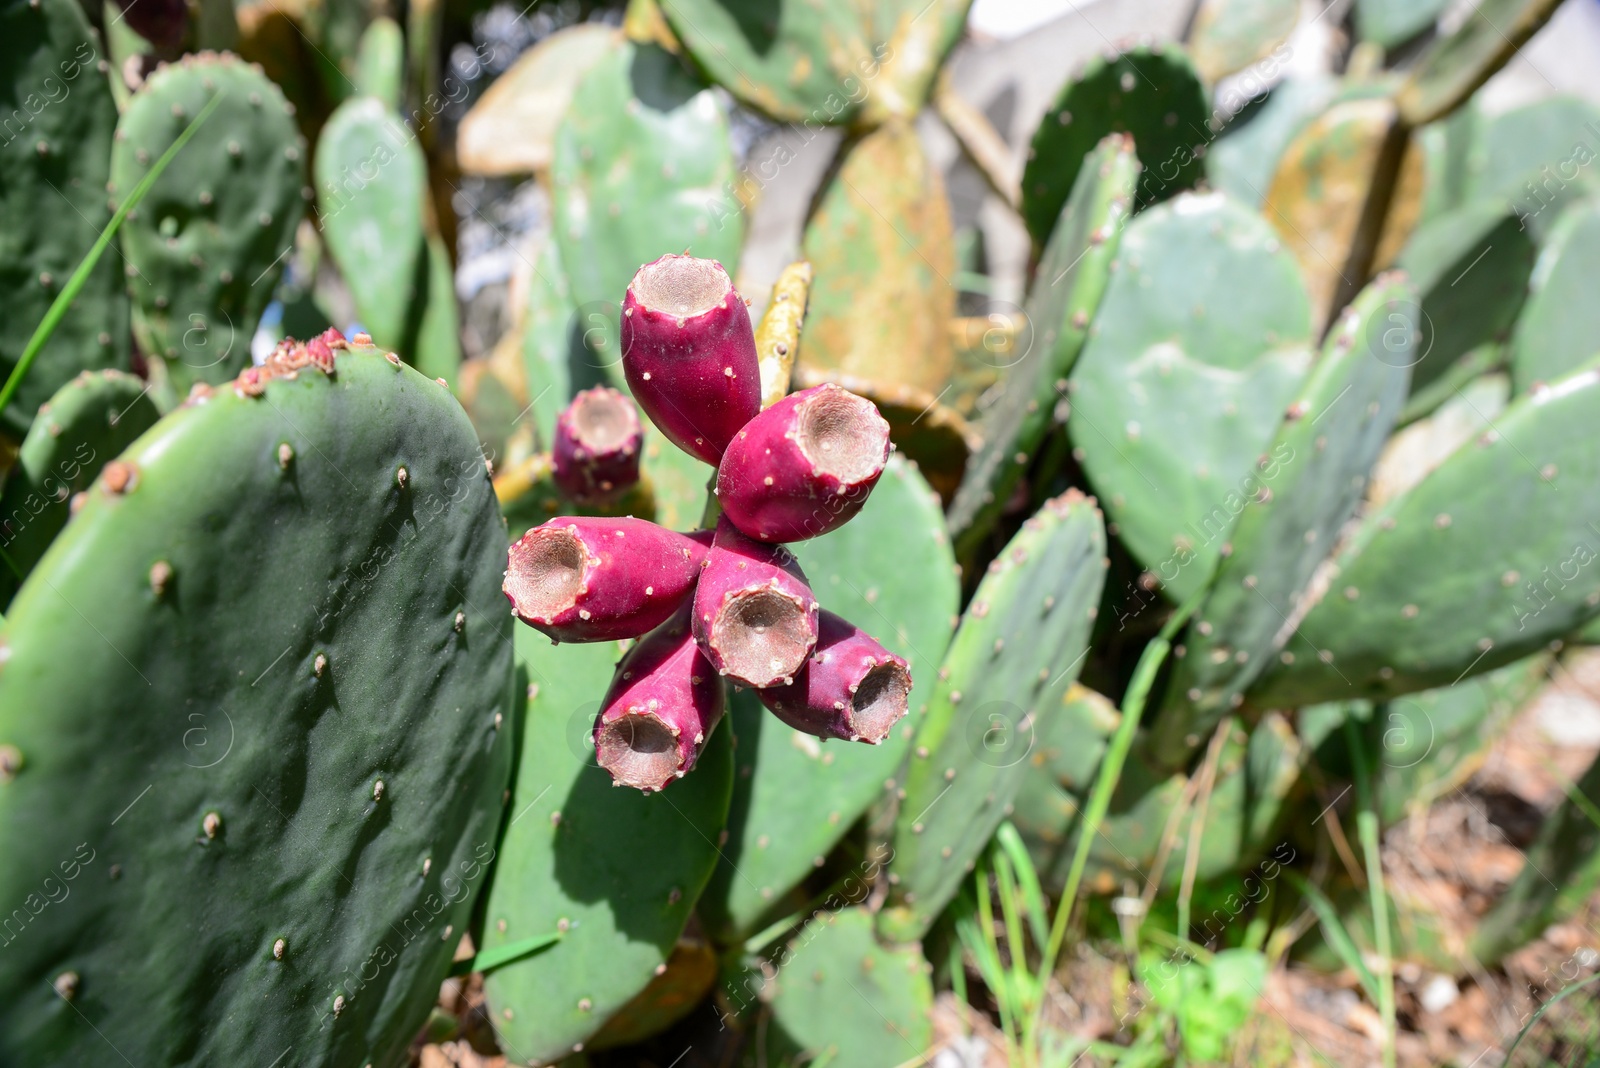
851,687
595,453
804,466
689,353
592,579
662,705
754,615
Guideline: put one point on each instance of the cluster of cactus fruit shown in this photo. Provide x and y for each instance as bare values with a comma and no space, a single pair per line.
1324,364
731,602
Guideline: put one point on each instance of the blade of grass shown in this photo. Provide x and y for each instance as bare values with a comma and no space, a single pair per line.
69,292
499,958
1339,939
1027,882
1573,989
1000,984
1367,832
1105,783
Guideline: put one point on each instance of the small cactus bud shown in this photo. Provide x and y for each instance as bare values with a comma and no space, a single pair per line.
754,615
596,450
663,703
590,579
851,687
689,353
804,466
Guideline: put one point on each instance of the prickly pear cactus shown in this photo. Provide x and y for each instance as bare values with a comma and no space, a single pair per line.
1068,286
1453,66
642,163
1317,469
1560,329
77,432
821,62
1018,649
1471,267
292,693
1241,160
371,183
849,1001
1150,91
1318,197
205,247
1229,35
57,140
1484,561
880,238
614,872
1196,350
795,797
1394,22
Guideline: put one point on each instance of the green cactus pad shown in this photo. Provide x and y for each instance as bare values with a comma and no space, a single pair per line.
816,63
642,166
1311,484
889,571
1560,328
554,358
1394,22
205,247
1430,743
1471,267
1018,650
1200,343
615,871
57,133
436,347
1229,35
371,184
1488,558
381,61
1454,66
261,678
1068,285
1538,157
77,432
880,239
1241,161
849,1001
1151,92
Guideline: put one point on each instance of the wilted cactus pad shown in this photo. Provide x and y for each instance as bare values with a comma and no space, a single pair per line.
253,706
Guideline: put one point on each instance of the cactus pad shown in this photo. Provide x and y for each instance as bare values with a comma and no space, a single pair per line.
1197,348
205,247
81,429
1487,559
371,184
280,738
1560,328
880,242
1394,22
1068,286
1229,35
794,796
1454,66
59,118
1319,464
615,871
1018,649
642,166
848,1000
1151,92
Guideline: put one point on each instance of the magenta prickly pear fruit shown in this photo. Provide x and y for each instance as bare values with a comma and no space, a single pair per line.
663,702
754,615
851,687
588,579
804,466
596,449
689,353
